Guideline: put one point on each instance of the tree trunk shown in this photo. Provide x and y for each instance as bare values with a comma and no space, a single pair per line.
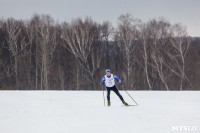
29,71
36,76
16,72
41,77
146,66
128,71
93,82
77,76
107,57
61,76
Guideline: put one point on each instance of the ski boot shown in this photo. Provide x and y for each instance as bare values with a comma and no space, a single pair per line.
109,103
126,104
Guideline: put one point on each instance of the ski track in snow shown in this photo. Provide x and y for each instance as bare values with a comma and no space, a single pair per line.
84,112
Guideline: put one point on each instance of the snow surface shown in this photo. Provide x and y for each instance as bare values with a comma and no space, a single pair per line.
84,112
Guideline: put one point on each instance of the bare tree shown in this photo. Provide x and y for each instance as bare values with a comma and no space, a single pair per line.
180,42
29,36
127,33
15,44
47,45
106,29
159,36
79,37
34,32
144,39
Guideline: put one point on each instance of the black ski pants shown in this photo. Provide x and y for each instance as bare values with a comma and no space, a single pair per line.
114,88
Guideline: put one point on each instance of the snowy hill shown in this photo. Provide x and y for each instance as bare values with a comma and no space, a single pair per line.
83,112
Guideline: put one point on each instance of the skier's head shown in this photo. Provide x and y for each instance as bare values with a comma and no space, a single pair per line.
108,72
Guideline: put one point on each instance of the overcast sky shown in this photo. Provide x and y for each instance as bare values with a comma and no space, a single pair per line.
186,12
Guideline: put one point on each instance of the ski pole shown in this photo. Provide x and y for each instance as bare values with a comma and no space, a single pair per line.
103,98
129,95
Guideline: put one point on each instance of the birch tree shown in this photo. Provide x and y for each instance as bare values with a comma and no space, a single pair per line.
144,39
15,44
159,35
107,30
180,42
127,33
79,36
47,45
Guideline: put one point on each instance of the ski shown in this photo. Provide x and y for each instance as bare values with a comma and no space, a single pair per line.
129,105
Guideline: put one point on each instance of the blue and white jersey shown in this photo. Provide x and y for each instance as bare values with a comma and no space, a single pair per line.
110,81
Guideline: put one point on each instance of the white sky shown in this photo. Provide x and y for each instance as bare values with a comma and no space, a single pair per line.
183,11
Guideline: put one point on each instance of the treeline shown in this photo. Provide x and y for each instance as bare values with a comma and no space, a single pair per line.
41,54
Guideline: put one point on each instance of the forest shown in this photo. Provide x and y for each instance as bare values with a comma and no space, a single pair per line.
42,54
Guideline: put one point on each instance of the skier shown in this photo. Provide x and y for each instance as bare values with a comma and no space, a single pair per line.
109,80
